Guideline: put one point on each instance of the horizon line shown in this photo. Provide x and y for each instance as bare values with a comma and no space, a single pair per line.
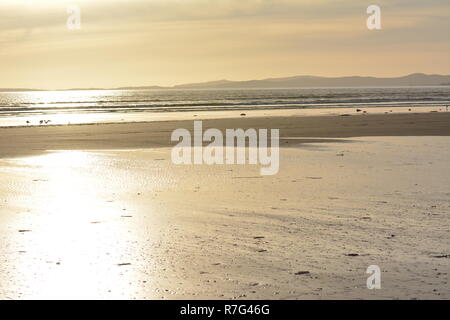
130,87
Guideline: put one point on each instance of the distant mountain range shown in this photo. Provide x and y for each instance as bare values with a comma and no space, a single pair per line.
415,79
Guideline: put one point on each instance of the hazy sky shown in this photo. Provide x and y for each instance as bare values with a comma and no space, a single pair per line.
166,42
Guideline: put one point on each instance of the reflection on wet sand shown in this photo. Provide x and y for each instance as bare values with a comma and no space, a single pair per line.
130,224
76,243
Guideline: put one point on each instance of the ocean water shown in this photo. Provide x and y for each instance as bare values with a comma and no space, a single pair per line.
45,103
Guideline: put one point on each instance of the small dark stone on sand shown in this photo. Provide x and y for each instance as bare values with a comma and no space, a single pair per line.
442,256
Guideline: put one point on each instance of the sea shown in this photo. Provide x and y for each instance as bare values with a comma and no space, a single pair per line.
78,106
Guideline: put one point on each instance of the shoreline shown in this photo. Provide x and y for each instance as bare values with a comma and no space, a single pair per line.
23,141
157,116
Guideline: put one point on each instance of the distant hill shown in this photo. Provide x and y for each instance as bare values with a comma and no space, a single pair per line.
210,84
415,79
17,89
140,88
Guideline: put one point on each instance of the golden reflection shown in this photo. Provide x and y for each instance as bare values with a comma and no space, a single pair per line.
65,107
77,240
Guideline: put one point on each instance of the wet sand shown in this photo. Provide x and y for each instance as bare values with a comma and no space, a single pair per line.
18,141
147,116
110,216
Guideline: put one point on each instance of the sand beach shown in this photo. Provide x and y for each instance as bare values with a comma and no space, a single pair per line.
100,211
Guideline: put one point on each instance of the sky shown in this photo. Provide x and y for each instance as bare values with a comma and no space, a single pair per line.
168,42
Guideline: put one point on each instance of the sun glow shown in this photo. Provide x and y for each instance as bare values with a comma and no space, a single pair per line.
74,230
63,107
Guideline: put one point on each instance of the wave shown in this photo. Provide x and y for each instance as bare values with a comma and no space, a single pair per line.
169,101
